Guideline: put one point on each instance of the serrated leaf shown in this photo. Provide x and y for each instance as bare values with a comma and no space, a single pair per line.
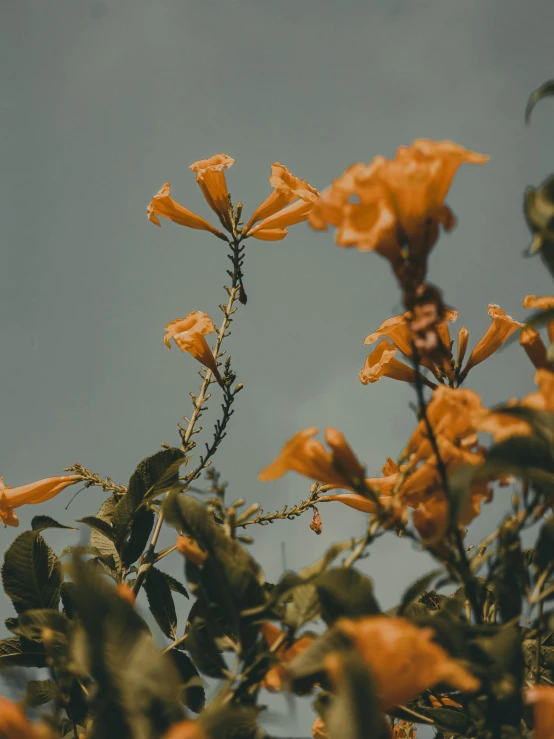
150,478
175,585
141,529
31,573
98,524
194,695
203,649
40,692
19,652
416,589
543,91
103,545
40,523
160,602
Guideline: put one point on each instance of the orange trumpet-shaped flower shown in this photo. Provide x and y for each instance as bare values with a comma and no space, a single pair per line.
210,176
34,492
278,211
382,363
190,550
187,729
285,653
307,456
188,333
395,202
501,328
13,722
403,658
318,729
542,699
534,347
546,302
162,204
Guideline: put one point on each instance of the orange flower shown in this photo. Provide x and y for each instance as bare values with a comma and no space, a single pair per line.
399,331
444,700
276,675
546,302
542,699
404,730
210,175
396,202
403,658
13,722
501,328
186,729
382,363
278,211
502,426
125,592
34,492
318,729
307,456
163,205
190,550
534,347
188,333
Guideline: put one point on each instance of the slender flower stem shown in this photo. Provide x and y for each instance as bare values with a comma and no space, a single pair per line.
236,256
463,565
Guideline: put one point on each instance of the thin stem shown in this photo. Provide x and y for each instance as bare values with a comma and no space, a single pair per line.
228,310
464,566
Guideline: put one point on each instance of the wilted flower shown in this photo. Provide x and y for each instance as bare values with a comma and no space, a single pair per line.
34,492
190,550
188,333
285,653
308,457
388,205
278,211
210,175
162,204
316,523
403,658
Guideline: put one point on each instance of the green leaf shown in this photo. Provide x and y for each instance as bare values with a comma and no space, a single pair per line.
344,592
103,545
447,719
141,529
544,550
194,696
153,476
203,649
31,573
539,212
543,91
31,623
416,590
137,687
40,692
230,577
160,602
98,524
40,523
175,585
19,652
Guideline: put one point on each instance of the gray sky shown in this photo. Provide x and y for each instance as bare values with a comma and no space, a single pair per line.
102,102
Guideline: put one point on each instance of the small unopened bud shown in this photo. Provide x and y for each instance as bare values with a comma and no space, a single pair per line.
190,550
245,539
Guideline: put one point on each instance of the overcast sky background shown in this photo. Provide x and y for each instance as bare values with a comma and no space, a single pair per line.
103,101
